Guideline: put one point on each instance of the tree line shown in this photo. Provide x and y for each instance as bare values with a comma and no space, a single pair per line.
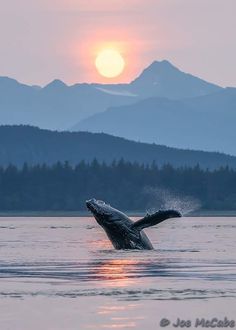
126,185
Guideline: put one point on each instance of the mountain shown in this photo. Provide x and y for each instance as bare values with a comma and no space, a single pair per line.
59,106
162,79
19,144
201,123
56,106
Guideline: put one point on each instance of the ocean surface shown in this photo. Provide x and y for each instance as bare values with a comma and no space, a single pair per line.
63,274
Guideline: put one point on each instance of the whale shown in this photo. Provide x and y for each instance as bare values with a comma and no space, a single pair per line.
124,233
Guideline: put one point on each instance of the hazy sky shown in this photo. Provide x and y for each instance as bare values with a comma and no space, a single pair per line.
46,39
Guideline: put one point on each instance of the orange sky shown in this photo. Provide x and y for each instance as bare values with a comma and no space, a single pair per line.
43,39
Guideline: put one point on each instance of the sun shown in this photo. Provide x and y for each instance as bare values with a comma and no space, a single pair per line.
110,63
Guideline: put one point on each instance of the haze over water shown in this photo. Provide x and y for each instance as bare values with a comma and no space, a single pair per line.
62,273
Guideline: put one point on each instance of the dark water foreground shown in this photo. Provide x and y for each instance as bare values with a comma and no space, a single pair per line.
62,273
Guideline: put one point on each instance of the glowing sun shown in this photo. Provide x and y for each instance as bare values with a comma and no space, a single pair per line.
110,63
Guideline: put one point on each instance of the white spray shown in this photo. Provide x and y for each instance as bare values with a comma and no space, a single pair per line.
166,199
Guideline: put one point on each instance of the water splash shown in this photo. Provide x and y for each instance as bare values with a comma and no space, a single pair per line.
166,199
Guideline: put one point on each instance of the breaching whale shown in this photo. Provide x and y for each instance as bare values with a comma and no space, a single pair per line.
122,231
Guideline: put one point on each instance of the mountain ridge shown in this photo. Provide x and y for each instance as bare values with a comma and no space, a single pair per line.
60,106
20,144
201,123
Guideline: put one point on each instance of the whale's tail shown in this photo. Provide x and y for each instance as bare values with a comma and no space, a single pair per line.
155,218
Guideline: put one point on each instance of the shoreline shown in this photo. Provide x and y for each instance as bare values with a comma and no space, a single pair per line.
61,214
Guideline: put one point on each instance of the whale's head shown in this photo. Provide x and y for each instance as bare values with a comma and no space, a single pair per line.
115,223
105,214
100,209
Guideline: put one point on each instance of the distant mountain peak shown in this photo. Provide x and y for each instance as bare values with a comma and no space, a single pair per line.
9,81
162,78
55,84
161,65
10,85
157,70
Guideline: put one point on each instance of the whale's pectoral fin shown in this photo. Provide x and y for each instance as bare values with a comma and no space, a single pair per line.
155,218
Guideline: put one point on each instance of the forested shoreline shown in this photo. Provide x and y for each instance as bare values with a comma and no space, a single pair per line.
129,186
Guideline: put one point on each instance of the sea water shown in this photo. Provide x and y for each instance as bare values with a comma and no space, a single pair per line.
63,274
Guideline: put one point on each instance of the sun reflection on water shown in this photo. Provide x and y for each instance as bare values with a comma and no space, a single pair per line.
118,272
117,319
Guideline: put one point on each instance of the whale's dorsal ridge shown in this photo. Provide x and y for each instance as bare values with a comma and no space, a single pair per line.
155,218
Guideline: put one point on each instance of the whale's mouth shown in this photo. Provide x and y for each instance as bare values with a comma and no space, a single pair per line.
91,205
95,206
